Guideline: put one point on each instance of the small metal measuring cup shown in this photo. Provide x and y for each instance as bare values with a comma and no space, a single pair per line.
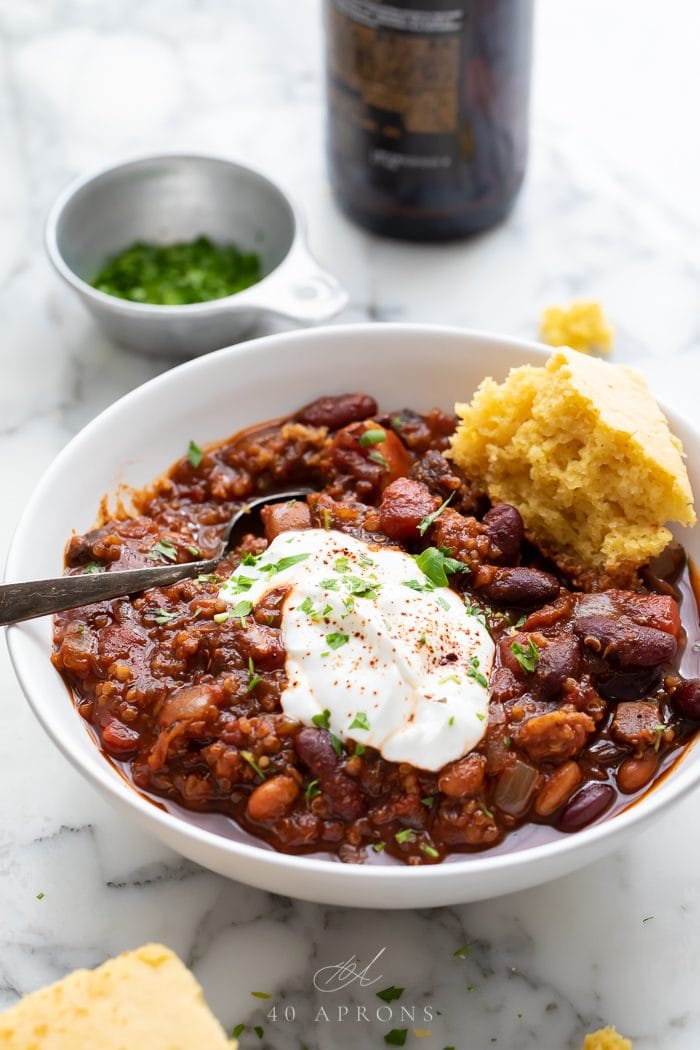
177,197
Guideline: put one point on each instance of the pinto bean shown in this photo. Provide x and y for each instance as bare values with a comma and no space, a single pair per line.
190,703
315,750
271,799
337,412
634,773
404,505
559,660
463,778
282,517
629,643
558,788
520,586
504,528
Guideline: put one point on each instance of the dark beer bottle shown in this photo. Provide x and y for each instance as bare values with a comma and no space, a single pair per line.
427,112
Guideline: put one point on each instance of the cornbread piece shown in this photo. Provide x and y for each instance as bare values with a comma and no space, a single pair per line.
582,326
606,1039
144,998
583,451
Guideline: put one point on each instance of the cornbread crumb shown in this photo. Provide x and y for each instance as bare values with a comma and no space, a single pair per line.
583,326
583,451
606,1039
144,998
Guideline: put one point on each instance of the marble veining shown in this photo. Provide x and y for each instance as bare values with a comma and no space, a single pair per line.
610,210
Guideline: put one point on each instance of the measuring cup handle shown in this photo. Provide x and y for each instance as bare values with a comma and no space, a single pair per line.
299,289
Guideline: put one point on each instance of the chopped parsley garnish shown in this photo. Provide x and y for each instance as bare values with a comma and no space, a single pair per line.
194,551
349,604
527,656
480,716
40,896
429,519
207,577
331,585
261,995
335,639
253,678
407,835
443,603
337,744
377,457
92,567
161,616
241,583
194,454
327,610
389,995
165,548
462,952
312,790
659,732
360,749
221,617
476,611
250,559
359,721
323,720
252,763
436,564
429,851
237,1031
362,588
416,585
396,1037
378,847
342,564
451,721
428,800
474,672
486,812
259,1031
520,621
283,563
422,640
450,678
372,437
365,561
307,607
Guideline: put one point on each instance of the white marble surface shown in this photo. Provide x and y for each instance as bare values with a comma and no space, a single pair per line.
610,210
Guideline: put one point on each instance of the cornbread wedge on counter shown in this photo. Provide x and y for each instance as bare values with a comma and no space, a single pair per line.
583,451
144,998
606,1039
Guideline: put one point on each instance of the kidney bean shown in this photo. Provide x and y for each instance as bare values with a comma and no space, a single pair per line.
337,412
634,773
520,586
559,660
404,505
504,528
271,799
281,517
585,807
558,788
630,643
686,699
628,685
314,748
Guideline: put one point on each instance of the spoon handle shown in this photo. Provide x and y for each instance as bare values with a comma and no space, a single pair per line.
25,601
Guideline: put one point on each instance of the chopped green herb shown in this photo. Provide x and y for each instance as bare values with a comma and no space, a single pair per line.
365,561
474,672
451,721
81,628
362,588
292,559
337,745
92,567
241,583
407,835
326,518
462,952
342,564
259,1031
327,610
416,585
507,741
194,551
175,274
372,437
480,716
429,851
520,621
659,732
360,749
252,763
428,800
307,607
442,603
377,457
429,519
486,811
389,995
647,919
331,585
261,995
207,577
161,616
359,721
476,611
349,604
194,454
237,1031
450,678
250,559
40,896
221,617
335,639
527,656
323,720
378,847
436,564
312,790
165,548
396,1037
253,678
422,640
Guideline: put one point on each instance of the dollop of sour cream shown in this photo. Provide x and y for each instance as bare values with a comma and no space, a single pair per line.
376,652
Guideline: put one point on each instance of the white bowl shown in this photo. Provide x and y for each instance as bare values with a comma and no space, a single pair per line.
210,398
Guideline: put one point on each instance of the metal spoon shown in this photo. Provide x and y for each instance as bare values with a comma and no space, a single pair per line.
25,601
